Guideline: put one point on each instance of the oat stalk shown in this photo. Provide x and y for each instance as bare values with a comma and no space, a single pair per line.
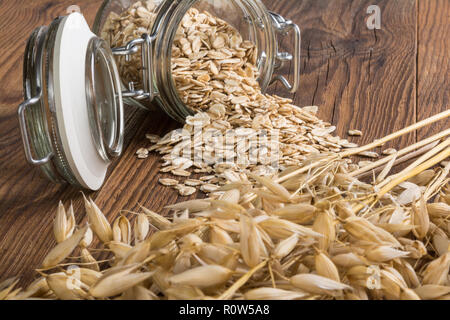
425,144
416,163
395,135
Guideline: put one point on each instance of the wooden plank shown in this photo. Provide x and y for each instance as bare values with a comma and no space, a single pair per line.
433,89
338,52
360,78
27,201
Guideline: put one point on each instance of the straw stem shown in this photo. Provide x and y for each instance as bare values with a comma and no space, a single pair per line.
424,143
397,134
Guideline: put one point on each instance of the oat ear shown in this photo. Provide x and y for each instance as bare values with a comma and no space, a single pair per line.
60,224
63,249
98,222
141,227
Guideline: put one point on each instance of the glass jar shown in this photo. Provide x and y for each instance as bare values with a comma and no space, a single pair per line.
72,120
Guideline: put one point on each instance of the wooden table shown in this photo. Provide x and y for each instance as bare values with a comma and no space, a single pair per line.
374,80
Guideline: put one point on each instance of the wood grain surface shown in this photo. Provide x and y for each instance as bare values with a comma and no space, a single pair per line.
433,62
374,80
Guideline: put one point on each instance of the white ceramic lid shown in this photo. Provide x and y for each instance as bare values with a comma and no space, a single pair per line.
71,45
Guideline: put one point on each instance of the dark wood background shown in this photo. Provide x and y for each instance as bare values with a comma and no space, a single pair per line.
374,80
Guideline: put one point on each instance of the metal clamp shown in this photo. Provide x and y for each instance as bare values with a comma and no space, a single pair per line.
131,48
23,129
283,27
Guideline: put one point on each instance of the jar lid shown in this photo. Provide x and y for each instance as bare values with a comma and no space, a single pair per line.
72,119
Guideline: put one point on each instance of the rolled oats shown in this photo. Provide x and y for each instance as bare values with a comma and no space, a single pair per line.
168,182
216,74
